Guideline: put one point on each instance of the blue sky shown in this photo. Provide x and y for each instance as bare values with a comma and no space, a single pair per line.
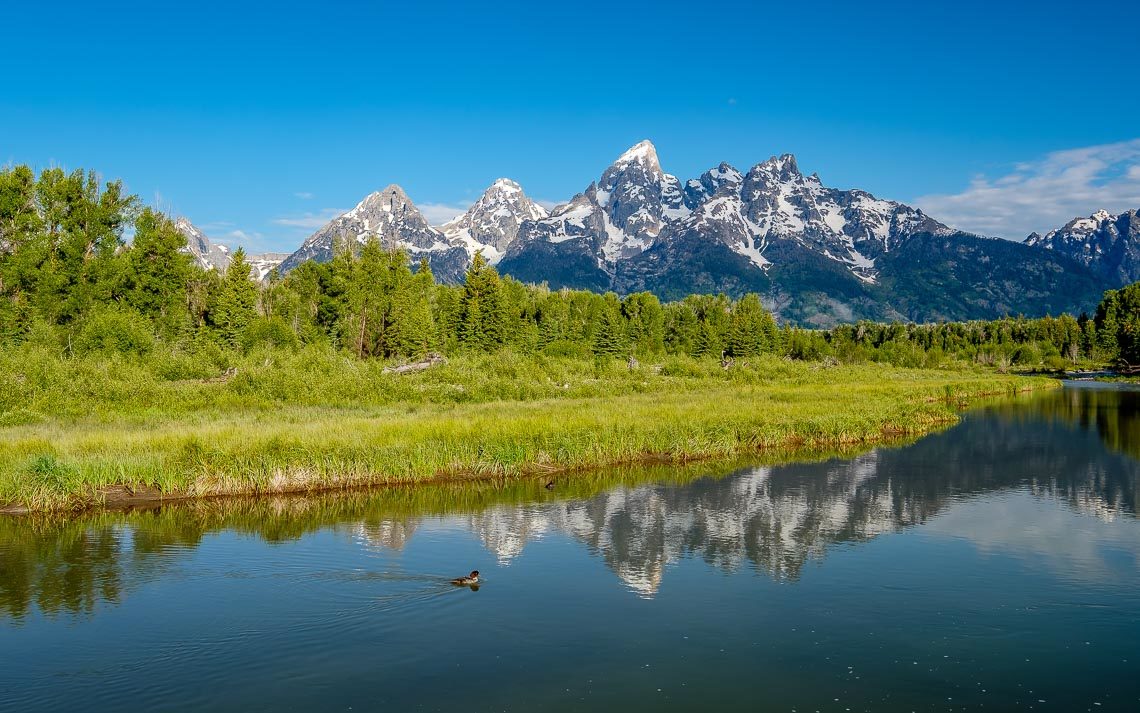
257,120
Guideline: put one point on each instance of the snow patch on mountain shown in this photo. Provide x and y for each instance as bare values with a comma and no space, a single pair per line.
492,223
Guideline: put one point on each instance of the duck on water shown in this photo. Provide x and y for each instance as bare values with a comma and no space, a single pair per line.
469,580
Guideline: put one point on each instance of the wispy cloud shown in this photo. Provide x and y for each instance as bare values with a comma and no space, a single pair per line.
253,241
309,220
1045,194
304,195
439,213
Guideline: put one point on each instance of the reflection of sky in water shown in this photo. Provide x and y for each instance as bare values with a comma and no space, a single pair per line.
1069,543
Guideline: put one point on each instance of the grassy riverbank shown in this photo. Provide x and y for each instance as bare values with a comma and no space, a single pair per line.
75,432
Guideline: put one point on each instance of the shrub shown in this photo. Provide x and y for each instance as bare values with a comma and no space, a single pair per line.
268,332
115,330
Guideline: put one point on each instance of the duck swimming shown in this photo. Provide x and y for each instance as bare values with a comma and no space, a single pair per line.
468,581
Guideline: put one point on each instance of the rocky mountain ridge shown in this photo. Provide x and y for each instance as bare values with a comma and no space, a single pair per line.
1107,244
817,255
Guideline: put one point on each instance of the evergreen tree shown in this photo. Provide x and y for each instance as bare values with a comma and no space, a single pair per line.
483,321
1107,327
236,303
413,329
158,272
646,322
610,338
751,328
1128,330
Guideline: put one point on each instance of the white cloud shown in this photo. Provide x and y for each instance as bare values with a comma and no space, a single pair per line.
304,195
310,221
440,213
1045,194
549,205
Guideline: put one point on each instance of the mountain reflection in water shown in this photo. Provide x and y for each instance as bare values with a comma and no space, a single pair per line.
1078,446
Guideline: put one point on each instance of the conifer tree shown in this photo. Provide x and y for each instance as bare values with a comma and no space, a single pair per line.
483,321
1128,329
646,322
236,303
157,272
610,338
413,329
751,329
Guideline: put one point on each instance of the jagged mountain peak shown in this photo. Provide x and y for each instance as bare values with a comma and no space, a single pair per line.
492,223
1107,244
390,216
208,255
782,167
618,216
643,152
505,184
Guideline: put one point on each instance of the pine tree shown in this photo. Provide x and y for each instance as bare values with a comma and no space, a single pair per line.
1107,327
413,329
610,338
157,273
483,321
236,304
646,320
1128,331
750,328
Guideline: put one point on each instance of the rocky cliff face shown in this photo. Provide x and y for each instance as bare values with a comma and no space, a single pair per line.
492,223
1109,245
208,255
213,256
817,255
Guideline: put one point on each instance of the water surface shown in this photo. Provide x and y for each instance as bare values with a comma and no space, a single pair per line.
993,566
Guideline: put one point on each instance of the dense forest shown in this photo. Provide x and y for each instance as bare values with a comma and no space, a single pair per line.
70,278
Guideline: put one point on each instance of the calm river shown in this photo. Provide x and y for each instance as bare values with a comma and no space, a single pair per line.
992,566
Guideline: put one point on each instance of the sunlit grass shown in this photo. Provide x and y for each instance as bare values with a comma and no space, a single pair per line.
317,420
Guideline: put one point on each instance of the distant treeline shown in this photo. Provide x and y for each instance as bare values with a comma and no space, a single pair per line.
68,277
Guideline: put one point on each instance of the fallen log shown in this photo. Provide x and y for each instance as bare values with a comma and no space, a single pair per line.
426,363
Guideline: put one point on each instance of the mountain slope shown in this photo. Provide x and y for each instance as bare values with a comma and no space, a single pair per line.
208,255
615,218
394,220
817,255
961,276
492,223
1109,245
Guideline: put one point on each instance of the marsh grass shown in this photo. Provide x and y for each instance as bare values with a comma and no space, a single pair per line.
76,430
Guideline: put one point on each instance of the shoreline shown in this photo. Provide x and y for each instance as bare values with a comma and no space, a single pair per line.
434,446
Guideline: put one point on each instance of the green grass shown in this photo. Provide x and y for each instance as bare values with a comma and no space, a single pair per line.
72,431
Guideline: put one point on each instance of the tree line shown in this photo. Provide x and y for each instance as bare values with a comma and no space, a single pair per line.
67,271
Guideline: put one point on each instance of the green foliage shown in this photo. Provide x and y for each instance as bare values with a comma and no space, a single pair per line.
609,338
1117,325
236,303
483,314
67,279
158,271
114,330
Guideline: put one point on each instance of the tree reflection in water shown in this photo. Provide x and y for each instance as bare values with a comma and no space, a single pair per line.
1080,446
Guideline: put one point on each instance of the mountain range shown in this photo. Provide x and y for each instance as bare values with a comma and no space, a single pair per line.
816,255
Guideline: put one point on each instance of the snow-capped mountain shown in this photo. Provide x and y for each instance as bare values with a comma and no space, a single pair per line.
396,222
615,218
260,266
207,254
816,255
1107,244
636,206
215,256
489,226
492,223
